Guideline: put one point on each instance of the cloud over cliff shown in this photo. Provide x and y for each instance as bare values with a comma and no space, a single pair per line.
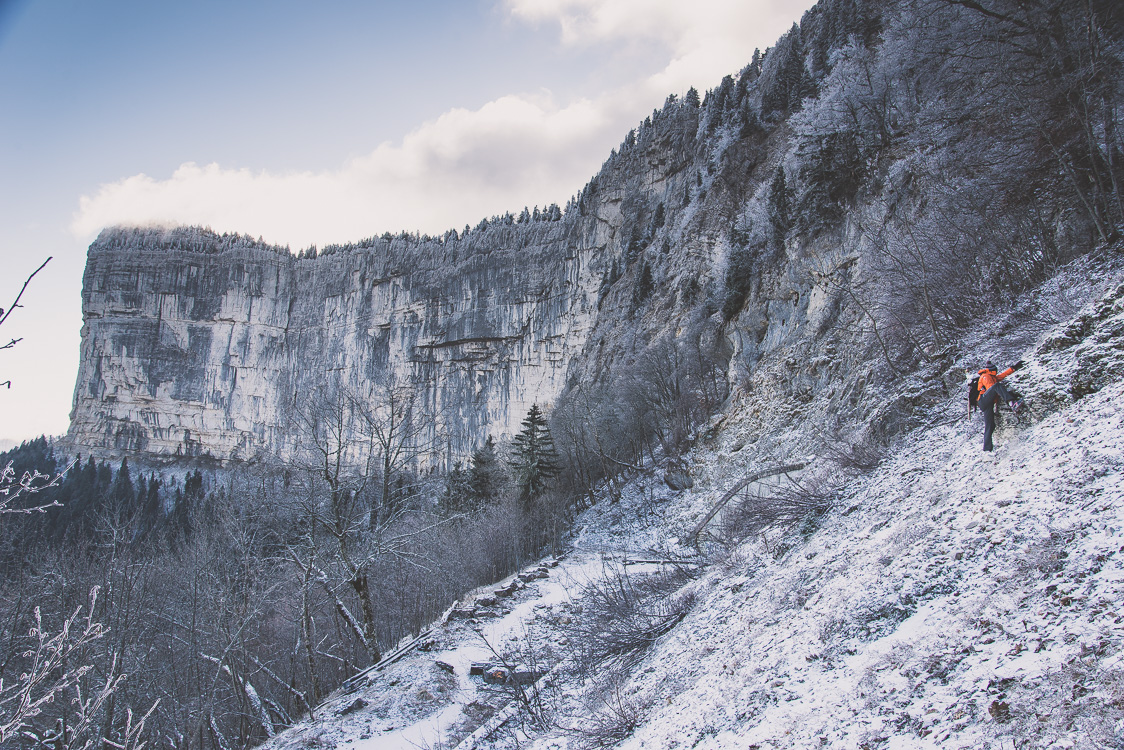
461,167
466,164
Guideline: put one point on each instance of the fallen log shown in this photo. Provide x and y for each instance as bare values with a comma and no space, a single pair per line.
763,474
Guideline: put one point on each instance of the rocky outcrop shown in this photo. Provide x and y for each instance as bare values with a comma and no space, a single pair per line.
191,350
197,344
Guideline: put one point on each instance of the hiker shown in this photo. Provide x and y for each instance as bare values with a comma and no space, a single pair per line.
988,390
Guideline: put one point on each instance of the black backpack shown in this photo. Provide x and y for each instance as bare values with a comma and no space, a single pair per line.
973,394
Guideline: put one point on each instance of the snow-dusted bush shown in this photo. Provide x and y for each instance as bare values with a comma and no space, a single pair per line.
799,501
611,714
623,614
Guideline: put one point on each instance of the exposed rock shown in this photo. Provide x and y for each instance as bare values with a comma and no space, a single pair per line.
499,674
533,575
678,480
999,710
199,345
352,707
509,589
462,613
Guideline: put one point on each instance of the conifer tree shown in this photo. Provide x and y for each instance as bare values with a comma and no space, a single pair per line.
124,494
644,285
153,503
779,206
534,458
485,476
457,497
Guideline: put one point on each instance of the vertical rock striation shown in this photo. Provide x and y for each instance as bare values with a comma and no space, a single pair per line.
202,345
197,344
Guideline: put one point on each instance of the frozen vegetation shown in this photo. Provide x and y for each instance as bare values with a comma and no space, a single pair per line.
945,598
289,466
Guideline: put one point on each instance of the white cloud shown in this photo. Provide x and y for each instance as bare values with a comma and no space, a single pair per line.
706,38
466,164
461,167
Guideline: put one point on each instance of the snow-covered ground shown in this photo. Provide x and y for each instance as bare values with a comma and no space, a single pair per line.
950,599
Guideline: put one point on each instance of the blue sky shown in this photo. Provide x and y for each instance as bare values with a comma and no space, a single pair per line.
311,123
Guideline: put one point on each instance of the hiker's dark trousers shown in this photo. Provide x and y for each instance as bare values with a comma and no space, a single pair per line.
987,404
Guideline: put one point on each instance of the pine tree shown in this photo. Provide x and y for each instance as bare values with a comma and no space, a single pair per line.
124,494
457,497
644,286
485,476
180,520
153,504
779,207
534,459
635,245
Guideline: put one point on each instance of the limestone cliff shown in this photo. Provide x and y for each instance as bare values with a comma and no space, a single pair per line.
823,220
197,344
191,347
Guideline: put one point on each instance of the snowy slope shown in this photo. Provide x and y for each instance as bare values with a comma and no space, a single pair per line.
950,599
960,589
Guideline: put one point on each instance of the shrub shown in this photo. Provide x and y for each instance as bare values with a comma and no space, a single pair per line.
611,715
804,500
624,614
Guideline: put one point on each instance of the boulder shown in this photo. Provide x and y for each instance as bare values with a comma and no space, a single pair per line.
509,589
352,707
463,613
677,481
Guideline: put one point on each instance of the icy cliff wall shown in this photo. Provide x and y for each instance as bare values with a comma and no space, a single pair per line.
197,344
192,347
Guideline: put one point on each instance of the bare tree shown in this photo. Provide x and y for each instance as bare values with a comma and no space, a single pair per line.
390,419
330,457
356,452
7,313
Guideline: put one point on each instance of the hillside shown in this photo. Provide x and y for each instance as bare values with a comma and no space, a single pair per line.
293,464
944,598
851,199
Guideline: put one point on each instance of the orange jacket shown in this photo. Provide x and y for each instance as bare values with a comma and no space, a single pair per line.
988,378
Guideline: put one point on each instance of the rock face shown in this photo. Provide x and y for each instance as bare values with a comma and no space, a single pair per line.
202,345
195,344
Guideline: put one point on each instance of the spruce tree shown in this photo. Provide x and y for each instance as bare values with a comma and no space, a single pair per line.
153,503
779,207
124,494
644,286
485,475
534,459
457,497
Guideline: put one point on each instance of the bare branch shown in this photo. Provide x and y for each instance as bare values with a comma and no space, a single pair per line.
29,483
4,314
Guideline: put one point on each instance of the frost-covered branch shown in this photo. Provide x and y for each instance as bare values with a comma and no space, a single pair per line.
48,674
6,313
29,483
